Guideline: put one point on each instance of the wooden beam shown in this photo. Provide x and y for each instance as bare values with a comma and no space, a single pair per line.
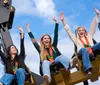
59,79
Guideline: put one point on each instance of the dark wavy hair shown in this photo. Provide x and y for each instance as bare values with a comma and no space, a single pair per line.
8,51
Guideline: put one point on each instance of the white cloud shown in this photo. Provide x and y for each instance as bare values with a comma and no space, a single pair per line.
66,47
45,7
25,7
42,8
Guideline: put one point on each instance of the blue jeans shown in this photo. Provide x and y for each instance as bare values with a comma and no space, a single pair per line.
96,46
20,75
83,52
46,64
1,69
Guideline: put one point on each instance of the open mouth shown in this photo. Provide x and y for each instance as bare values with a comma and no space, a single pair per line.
46,42
81,33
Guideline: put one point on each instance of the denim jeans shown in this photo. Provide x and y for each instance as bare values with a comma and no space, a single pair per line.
1,69
83,52
96,46
7,78
46,64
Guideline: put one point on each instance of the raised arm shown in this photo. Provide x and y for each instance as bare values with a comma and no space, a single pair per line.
32,38
55,40
67,28
22,48
94,23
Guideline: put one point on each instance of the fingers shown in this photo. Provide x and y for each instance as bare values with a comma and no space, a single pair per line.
61,13
20,29
28,27
54,19
96,10
61,16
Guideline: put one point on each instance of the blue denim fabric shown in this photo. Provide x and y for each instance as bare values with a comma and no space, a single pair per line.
20,75
46,64
83,52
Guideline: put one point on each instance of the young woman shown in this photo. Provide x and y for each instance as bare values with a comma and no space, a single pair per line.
14,63
49,52
84,41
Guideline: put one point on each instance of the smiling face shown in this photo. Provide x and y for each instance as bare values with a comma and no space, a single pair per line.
46,40
81,32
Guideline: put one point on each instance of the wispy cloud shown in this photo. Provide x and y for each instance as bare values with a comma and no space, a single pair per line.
45,7
42,8
24,7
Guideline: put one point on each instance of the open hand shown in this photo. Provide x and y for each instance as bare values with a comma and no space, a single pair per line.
61,16
20,29
28,27
96,10
54,19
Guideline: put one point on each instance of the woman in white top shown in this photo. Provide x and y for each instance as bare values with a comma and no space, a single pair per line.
83,41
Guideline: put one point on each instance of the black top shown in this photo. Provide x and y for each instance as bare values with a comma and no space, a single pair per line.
18,58
55,42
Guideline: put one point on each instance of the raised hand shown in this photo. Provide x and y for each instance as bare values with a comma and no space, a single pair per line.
5,1
96,10
28,27
20,29
61,16
54,19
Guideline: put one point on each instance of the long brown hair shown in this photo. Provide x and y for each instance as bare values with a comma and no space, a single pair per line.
42,46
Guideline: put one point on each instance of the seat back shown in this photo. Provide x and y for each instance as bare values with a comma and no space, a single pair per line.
55,68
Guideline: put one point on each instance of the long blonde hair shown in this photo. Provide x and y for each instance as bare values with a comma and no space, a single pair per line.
76,31
42,47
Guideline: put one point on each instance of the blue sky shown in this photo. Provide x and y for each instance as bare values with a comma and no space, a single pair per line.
39,14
